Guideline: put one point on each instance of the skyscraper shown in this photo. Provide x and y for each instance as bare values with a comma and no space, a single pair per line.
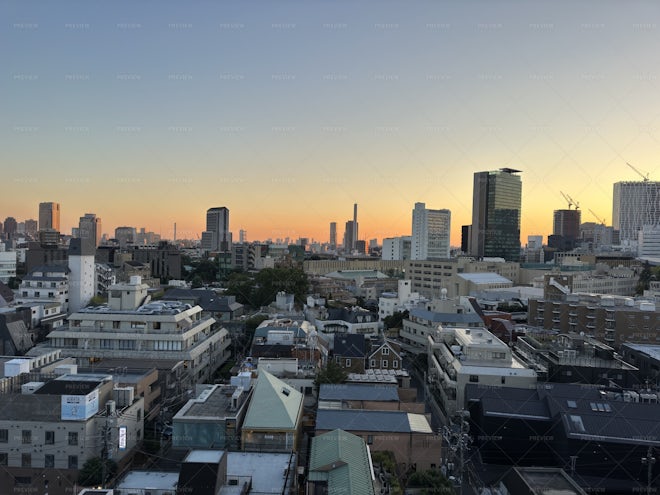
351,232
217,237
635,204
496,206
49,216
89,230
565,229
333,235
430,233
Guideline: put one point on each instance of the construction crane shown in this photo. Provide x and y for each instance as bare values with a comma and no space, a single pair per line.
575,203
570,201
645,178
602,221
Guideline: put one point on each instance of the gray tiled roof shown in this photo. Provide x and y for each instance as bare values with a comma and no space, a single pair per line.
357,391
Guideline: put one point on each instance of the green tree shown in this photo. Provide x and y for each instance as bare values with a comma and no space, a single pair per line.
241,285
395,320
91,474
332,373
432,481
270,281
645,277
13,283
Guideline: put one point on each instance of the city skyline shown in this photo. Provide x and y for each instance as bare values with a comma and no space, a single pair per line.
307,108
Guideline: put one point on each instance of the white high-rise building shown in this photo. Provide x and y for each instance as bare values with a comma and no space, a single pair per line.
82,276
649,241
396,248
635,204
430,233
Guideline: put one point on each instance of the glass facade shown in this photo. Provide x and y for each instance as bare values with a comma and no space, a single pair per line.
496,215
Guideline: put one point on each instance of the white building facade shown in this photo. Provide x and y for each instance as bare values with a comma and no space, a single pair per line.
430,233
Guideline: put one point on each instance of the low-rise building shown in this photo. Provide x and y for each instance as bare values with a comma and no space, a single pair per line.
350,352
130,327
212,420
49,431
408,436
45,284
422,323
274,417
340,462
402,300
458,356
611,319
358,321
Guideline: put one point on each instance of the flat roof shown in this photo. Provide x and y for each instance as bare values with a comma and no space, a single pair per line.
150,480
484,278
205,456
265,469
213,403
652,351
359,391
371,420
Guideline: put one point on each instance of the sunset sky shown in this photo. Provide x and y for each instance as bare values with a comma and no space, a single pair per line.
288,112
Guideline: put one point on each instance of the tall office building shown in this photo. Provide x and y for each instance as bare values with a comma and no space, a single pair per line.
89,230
31,227
217,237
125,236
565,229
351,233
635,205
10,227
430,233
496,207
333,235
49,216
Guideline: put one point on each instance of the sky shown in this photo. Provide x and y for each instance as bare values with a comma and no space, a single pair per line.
287,112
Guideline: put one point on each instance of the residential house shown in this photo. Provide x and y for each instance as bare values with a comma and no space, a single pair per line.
274,416
350,352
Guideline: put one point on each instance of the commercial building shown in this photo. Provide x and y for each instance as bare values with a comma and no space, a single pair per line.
430,233
565,229
396,248
49,431
89,230
216,237
635,204
496,213
49,216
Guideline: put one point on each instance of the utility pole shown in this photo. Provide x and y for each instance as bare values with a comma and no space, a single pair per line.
649,460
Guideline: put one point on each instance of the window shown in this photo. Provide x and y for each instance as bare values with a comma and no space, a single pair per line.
370,439
386,351
503,380
107,344
49,438
474,378
348,363
383,363
115,325
73,438
26,460
4,458
49,461
73,462
26,436
395,364
4,436
372,363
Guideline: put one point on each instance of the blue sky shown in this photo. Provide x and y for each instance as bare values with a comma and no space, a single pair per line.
148,113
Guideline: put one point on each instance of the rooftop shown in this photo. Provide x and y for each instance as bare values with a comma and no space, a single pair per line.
153,480
484,278
370,420
274,405
266,470
205,456
214,402
359,391
152,308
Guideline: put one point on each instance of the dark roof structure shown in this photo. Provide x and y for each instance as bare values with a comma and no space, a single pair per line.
350,345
